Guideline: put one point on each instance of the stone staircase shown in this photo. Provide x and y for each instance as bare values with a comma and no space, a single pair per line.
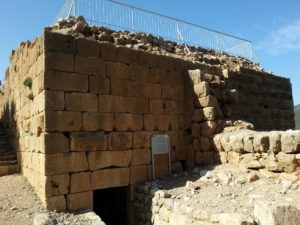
8,157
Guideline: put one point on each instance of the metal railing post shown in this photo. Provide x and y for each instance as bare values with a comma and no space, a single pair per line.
177,31
132,19
218,44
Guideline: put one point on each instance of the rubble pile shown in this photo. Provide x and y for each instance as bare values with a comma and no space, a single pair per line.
79,28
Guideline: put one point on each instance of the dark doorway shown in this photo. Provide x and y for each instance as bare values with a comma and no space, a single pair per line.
110,204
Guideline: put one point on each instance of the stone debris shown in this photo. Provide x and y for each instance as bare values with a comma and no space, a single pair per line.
228,195
79,28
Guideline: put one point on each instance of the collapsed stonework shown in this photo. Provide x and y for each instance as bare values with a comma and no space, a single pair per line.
83,121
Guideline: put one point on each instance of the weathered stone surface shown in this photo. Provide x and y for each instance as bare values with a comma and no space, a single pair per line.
290,141
80,182
62,121
201,89
208,128
106,159
89,48
137,105
208,101
54,100
62,81
141,139
59,61
110,103
53,143
43,219
98,121
88,141
235,219
209,113
84,102
108,51
118,177
65,162
99,85
56,185
261,142
140,157
120,140
138,174
83,200
55,203
275,141
249,161
89,66
204,158
275,213
197,115
128,122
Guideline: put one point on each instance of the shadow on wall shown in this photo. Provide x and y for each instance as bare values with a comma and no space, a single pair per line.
9,122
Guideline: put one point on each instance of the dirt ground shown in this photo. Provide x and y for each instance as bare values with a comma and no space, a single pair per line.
18,202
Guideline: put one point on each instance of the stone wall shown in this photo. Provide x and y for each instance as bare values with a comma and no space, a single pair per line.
275,151
93,107
265,100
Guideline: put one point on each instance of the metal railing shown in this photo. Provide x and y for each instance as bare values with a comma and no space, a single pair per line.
121,16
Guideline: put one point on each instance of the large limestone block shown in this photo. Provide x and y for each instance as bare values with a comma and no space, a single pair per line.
62,81
197,115
156,122
250,161
108,51
108,178
138,174
80,182
216,143
54,41
128,122
120,140
127,55
84,102
275,141
98,121
170,106
119,87
234,158
201,89
56,185
83,200
106,159
109,103
194,76
87,47
118,70
139,74
141,157
248,142
290,141
141,139
65,162
62,121
156,106
209,113
236,141
275,213
137,105
54,100
261,142
88,141
59,61
89,66
53,143
166,62
208,101
57,203
208,128
235,219
99,85
148,59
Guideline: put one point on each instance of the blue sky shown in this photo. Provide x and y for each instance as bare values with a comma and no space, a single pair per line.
272,25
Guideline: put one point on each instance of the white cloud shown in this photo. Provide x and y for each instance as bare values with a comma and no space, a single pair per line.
284,40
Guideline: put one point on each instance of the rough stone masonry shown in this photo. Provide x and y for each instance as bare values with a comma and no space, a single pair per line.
97,96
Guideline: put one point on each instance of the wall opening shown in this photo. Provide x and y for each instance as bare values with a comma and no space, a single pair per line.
111,205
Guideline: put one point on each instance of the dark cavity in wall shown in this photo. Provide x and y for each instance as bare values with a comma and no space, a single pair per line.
111,205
